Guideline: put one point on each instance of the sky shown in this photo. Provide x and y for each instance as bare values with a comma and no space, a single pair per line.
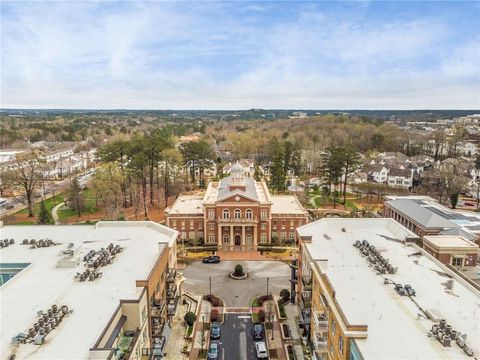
240,55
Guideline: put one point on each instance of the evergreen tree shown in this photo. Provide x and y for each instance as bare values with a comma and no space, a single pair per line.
75,198
277,168
43,216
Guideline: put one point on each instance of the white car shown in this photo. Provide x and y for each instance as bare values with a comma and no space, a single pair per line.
262,352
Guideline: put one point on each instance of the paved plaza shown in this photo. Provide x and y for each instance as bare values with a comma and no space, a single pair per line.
237,293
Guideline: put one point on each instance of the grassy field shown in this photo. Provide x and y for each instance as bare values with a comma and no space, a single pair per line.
64,213
50,203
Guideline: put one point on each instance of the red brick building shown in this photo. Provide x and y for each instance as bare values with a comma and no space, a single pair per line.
454,250
237,213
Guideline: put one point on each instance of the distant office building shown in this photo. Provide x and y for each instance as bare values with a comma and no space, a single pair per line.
105,291
368,292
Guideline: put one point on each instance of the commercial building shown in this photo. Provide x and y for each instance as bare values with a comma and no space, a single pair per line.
237,213
425,216
453,250
373,294
104,291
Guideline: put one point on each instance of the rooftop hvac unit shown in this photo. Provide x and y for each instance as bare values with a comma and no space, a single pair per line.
446,340
440,335
47,328
41,322
25,242
39,339
31,332
442,324
468,350
12,241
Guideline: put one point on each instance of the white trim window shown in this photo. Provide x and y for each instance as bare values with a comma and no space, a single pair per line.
226,214
237,214
211,238
249,214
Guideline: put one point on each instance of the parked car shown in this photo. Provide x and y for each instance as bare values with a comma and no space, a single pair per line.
258,331
213,351
215,331
212,259
261,349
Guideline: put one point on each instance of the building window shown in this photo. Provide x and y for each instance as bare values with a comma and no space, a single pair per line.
263,226
274,235
192,225
334,326
211,213
174,223
457,261
211,226
263,238
283,224
291,235
183,224
200,224
274,223
263,214
284,235
249,238
237,214
226,214
249,214
340,344
226,238
211,238
292,223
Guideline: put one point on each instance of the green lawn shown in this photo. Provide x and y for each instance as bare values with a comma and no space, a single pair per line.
90,208
49,204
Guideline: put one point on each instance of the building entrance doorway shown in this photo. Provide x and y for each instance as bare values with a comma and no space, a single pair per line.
238,239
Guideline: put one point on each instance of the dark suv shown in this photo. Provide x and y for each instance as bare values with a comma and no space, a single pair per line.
212,259
258,331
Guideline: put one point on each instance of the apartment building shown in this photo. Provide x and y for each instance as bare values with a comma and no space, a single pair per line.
104,291
237,213
373,294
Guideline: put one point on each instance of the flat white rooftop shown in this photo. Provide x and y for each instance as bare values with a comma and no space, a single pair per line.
187,204
286,204
395,330
445,241
42,284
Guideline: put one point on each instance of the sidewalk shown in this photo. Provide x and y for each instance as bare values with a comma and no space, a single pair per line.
293,314
176,341
204,313
252,256
55,218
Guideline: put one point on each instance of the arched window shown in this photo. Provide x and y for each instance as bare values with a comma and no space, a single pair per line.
238,214
226,213
249,214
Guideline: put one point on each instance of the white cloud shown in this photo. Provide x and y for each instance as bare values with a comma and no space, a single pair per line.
158,56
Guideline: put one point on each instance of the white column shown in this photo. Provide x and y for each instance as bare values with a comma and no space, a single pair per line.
243,234
219,239
231,236
254,235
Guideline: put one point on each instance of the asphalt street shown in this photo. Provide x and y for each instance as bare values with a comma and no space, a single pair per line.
237,340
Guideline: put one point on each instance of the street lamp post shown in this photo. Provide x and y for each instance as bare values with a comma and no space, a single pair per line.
272,324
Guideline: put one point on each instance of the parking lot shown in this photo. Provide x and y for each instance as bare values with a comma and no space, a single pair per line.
237,293
236,342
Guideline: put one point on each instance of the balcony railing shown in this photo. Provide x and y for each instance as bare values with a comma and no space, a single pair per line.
171,274
321,320
320,343
171,291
